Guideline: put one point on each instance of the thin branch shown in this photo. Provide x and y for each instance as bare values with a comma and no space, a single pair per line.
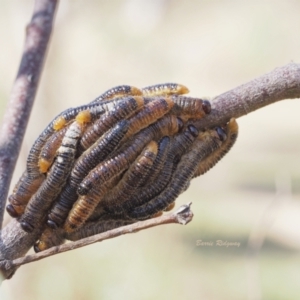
182,216
282,83
23,92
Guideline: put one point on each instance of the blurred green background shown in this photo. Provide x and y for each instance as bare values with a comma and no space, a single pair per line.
251,198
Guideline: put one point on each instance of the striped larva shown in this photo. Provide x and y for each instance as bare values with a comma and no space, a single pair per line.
57,175
87,161
179,145
164,89
206,164
207,142
149,114
123,110
190,108
48,151
117,92
129,183
22,193
163,148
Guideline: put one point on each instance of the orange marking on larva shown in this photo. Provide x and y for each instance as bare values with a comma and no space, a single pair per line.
49,149
136,92
152,147
83,117
59,123
140,101
149,114
44,165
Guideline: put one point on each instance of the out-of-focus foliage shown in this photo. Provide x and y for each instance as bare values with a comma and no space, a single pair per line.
254,193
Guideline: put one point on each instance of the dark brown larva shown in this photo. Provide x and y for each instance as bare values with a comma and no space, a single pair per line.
96,227
49,238
149,114
122,111
87,161
99,212
190,108
57,175
125,155
118,91
164,89
85,205
208,142
163,147
214,157
179,145
112,202
22,193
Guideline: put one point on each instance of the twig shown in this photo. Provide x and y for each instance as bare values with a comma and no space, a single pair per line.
282,83
23,92
182,216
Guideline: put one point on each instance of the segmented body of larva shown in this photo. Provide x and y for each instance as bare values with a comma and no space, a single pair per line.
57,175
149,114
87,161
117,92
49,238
48,151
125,155
22,193
85,205
123,110
131,180
179,145
163,147
190,108
165,89
211,160
208,142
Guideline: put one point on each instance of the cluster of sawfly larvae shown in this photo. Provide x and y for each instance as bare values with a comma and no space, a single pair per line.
124,157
